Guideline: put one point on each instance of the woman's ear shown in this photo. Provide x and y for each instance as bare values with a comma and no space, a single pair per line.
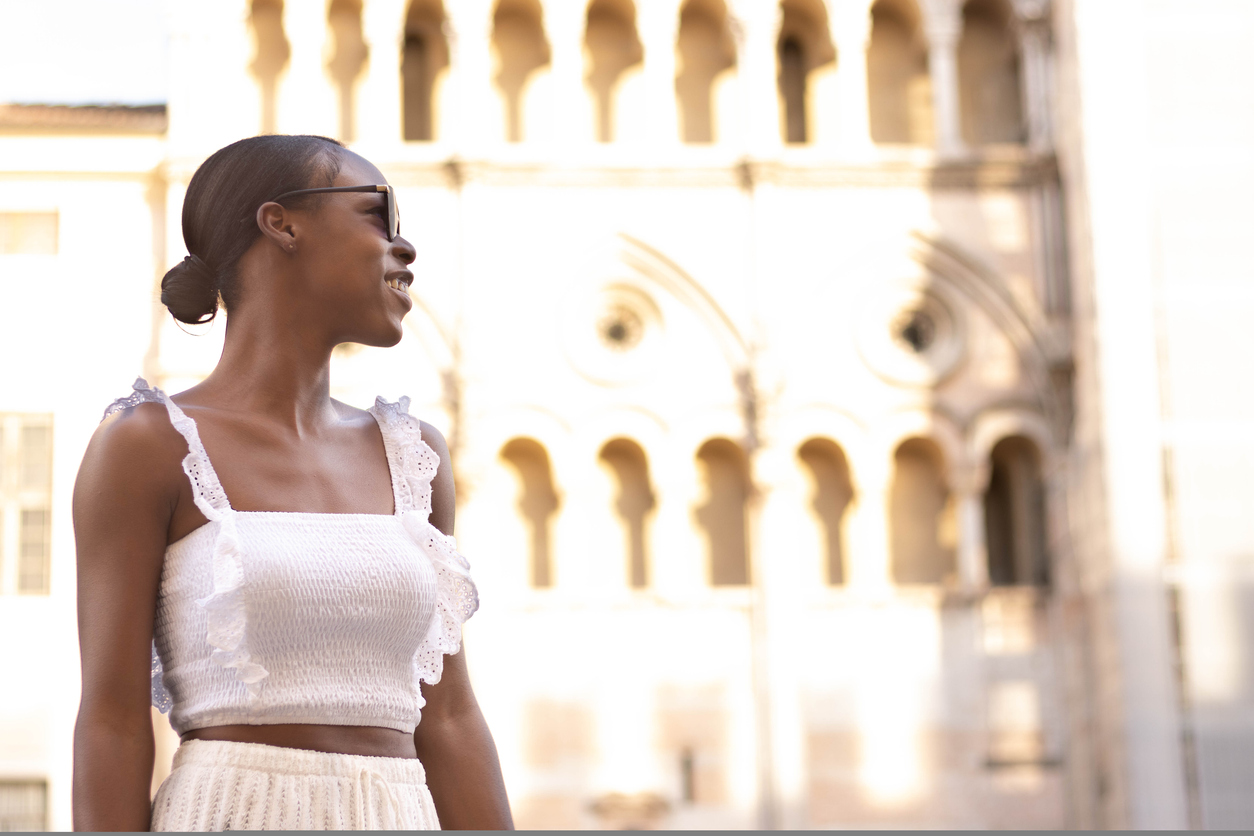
276,224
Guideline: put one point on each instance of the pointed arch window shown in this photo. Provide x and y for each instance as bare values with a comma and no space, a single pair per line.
706,51
923,528
831,501
423,63
613,48
899,84
537,504
1014,515
804,46
725,475
633,504
988,75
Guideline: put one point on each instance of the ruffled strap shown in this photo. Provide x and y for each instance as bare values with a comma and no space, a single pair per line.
412,462
457,599
224,608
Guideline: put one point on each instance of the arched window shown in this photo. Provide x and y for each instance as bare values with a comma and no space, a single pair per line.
633,504
923,528
898,84
706,50
613,47
424,60
537,502
988,75
521,49
725,473
804,45
833,494
1014,515
270,55
348,60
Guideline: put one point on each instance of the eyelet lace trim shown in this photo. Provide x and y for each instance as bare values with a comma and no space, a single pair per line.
414,465
227,630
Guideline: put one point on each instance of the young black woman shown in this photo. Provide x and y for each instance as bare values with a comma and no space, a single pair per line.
273,565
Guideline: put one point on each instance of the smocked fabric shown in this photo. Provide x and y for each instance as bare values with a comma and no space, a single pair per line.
223,785
275,617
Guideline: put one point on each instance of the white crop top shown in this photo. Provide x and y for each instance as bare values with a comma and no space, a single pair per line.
273,617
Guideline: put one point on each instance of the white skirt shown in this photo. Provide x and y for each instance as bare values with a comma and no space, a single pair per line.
221,785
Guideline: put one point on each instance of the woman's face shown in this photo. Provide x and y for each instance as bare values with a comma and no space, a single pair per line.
352,278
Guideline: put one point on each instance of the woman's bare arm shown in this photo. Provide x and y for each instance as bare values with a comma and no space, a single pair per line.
453,741
124,499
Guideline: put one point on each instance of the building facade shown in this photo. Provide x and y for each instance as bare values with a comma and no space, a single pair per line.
829,425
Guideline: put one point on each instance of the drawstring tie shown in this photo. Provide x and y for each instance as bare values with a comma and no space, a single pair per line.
371,789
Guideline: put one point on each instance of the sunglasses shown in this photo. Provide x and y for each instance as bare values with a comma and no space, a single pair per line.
394,218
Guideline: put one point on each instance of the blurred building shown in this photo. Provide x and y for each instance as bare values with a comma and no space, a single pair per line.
844,396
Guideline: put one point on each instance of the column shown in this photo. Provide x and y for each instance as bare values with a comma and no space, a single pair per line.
968,496
1034,39
379,95
469,33
943,27
213,99
657,24
850,26
757,30
565,22
868,561
306,97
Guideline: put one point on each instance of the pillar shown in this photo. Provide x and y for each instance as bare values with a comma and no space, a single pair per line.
943,26
968,496
379,100
306,96
469,33
657,24
757,36
850,26
565,22
1034,76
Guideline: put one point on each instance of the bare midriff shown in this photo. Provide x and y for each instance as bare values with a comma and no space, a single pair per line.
371,741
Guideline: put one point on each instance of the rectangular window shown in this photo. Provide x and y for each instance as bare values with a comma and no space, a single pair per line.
23,806
29,233
25,504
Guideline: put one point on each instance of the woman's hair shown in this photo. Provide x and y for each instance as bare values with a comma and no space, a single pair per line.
220,214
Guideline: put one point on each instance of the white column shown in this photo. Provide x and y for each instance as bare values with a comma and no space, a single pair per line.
658,26
306,96
379,96
943,27
850,26
469,32
757,28
868,560
968,490
213,99
572,120
1034,40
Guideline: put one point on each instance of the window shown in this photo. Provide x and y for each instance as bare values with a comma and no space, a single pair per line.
270,54
725,473
613,47
25,503
345,66
988,75
521,51
706,51
1014,515
804,46
833,495
923,528
28,233
423,64
537,503
633,503
23,806
899,86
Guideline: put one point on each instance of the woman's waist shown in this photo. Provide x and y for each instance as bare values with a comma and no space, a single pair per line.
367,741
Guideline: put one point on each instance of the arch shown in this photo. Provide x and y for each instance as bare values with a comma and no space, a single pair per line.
899,87
537,503
1014,515
425,58
271,52
990,106
832,500
804,45
706,50
923,530
725,475
633,505
521,49
347,61
613,48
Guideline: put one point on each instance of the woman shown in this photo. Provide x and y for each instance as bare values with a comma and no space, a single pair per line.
284,557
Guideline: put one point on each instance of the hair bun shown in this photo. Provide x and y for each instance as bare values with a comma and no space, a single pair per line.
190,291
